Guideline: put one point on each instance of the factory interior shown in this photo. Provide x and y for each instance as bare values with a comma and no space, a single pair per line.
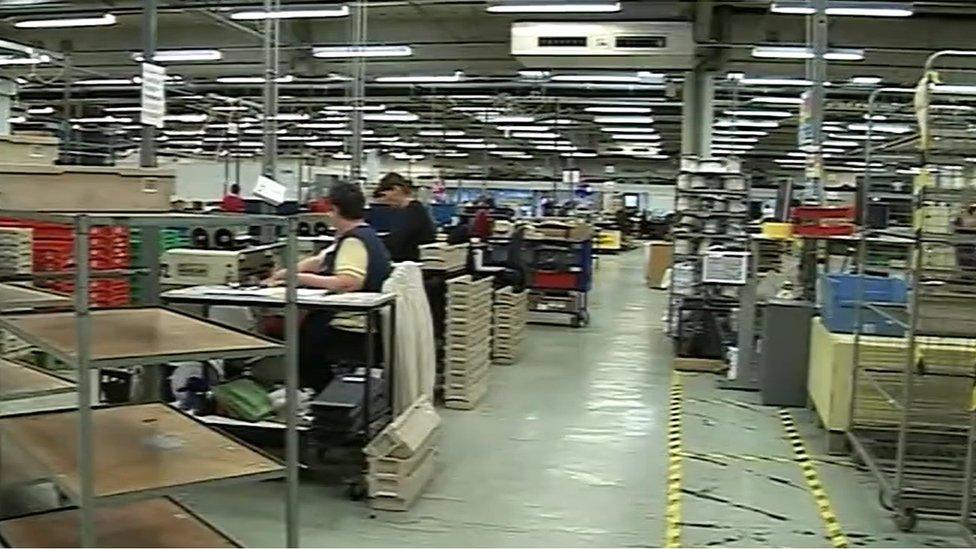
487,273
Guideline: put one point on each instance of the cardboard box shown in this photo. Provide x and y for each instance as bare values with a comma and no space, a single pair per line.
658,256
85,188
26,148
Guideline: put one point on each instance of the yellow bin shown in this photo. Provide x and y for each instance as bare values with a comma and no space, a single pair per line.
778,231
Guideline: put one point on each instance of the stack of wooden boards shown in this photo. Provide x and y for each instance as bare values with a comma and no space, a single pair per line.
510,314
444,257
16,250
402,458
467,341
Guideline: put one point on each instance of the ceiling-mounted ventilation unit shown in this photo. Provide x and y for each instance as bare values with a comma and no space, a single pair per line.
617,45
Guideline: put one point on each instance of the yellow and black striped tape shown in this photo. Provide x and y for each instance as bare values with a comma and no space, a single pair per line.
672,528
827,515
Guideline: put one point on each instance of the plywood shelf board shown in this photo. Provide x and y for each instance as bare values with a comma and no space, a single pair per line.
20,381
159,522
143,334
140,448
15,296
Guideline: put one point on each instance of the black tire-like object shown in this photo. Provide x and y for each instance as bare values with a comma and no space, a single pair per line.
200,238
223,239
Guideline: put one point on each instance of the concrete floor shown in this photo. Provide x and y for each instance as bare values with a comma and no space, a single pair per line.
569,449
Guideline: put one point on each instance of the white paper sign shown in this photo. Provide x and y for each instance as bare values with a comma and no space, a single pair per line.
269,190
153,95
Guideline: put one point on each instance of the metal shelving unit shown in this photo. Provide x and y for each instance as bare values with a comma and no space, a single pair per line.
124,455
711,201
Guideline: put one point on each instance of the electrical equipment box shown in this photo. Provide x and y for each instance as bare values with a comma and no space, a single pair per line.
638,45
193,267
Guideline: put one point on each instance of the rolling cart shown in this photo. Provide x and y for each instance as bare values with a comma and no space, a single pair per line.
560,276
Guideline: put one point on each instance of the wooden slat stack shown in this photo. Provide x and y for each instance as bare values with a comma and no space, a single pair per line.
16,250
510,314
402,458
467,345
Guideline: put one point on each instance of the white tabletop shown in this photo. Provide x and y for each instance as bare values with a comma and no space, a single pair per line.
275,297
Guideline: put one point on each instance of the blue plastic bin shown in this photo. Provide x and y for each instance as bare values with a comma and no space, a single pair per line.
840,294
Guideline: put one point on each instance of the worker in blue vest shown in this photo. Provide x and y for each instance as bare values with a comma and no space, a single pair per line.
357,262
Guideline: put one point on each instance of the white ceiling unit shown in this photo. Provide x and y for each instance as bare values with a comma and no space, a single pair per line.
606,45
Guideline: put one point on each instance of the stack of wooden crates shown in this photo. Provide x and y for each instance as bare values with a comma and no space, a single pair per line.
510,314
402,458
16,250
467,341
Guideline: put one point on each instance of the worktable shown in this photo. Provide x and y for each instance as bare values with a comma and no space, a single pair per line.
160,522
138,449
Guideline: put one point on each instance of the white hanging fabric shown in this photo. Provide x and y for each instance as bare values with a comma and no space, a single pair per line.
416,367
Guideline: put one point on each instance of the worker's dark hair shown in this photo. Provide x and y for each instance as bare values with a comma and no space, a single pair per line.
235,189
391,180
348,200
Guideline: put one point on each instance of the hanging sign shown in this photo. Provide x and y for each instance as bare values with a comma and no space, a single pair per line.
153,95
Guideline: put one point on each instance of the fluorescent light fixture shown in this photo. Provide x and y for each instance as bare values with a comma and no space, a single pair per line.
291,116
533,75
619,110
186,118
471,108
105,82
17,119
168,56
735,146
350,108
321,125
560,122
580,154
857,136
342,156
729,139
10,60
840,143
756,133
260,131
553,6
844,55
455,155
517,128
465,140
623,120
792,162
774,81
345,52
845,8
292,13
391,116
641,77
636,136
535,135
116,110
557,148
883,128
741,123
252,79
773,100
298,138
101,21
866,80
953,89
627,129
40,110
101,120
505,119
477,146
422,79
958,108
770,114
782,52
218,139
326,143
875,117
229,108
381,139
183,133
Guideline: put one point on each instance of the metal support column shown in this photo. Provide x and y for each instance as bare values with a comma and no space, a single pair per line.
817,73
291,387
7,91
147,148
697,113
86,450
272,26
357,91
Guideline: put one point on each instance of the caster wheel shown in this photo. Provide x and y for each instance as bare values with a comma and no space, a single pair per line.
906,520
584,319
575,323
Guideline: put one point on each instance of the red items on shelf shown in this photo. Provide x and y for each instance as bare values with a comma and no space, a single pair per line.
823,221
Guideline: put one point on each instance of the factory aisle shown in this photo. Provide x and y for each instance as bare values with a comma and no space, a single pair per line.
569,448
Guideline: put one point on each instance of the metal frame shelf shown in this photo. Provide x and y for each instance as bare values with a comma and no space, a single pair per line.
84,340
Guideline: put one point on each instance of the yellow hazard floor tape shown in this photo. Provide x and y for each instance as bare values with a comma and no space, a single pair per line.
672,528
827,515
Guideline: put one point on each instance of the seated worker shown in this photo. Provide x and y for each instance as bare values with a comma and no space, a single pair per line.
357,262
232,201
413,225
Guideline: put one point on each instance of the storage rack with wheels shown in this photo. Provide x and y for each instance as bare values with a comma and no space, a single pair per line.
118,464
560,278
914,360
711,203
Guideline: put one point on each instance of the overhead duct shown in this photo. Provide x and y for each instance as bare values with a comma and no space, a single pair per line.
608,45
